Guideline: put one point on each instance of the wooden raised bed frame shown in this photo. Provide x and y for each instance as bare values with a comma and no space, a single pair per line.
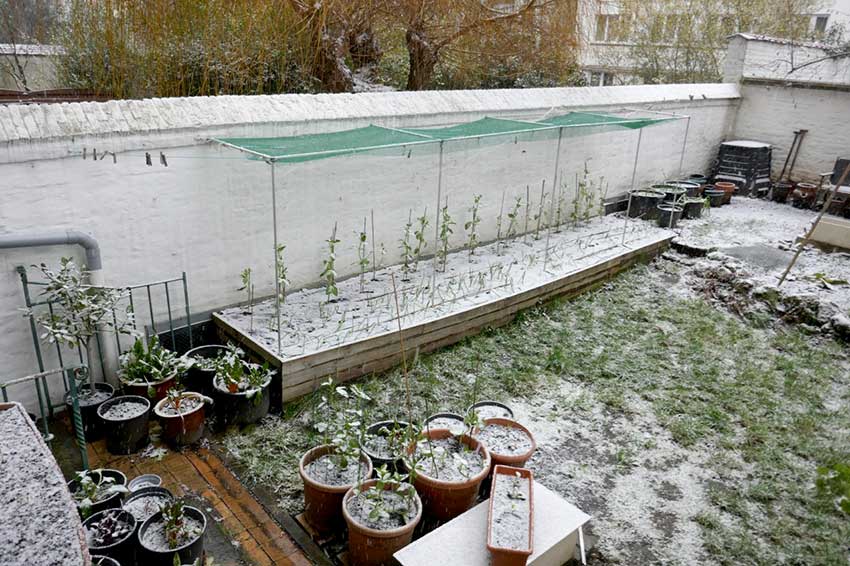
302,374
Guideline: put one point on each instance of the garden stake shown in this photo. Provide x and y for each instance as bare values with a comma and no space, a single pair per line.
815,224
540,210
499,225
403,357
374,261
527,205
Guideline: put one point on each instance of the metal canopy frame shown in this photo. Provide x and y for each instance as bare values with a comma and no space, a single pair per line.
522,127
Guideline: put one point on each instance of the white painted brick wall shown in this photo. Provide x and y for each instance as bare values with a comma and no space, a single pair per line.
209,212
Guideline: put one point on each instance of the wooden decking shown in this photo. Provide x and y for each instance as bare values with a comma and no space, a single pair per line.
237,516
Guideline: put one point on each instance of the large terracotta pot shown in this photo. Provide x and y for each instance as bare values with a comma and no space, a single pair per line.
322,502
727,188
517,461
185,428
372,547
445,500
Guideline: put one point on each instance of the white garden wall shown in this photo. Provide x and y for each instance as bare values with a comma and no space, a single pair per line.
209,212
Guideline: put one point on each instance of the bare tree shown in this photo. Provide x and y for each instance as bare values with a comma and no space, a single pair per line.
23,23
431,26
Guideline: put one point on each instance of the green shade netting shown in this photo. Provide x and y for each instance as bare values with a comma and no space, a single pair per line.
482,127
294,149
576,119
306,147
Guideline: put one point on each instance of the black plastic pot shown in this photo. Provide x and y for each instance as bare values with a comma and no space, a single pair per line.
111,502
692,188
501,406
673,191
378,461
669,215
127,435
197,379
239,408
692,207
698,178
124,551
141,494
92,425
781,191
453,416
188,553
104,561
715,197
644,203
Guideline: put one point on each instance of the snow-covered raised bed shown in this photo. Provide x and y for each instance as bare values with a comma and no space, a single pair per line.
357,333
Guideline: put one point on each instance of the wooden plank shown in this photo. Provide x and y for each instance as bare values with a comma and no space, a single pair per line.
381,352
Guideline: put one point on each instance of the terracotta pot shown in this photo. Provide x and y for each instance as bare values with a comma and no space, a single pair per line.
500,556
372,547
185,428
323,503
445,500
160,388
519,460
727,188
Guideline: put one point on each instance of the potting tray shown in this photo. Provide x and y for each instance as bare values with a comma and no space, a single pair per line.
463,540
39,523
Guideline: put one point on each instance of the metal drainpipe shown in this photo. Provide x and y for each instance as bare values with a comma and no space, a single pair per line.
67,238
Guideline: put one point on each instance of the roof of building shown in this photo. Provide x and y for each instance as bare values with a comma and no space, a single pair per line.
780,40
30,49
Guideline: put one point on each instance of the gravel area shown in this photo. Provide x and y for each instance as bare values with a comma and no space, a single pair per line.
38,522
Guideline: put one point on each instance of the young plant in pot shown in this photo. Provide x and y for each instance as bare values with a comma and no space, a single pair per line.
447,471
510,521
175,533
79,310
381,515
329,470
150,372
96,490
110,533
240,389
181,415
201,362
126,423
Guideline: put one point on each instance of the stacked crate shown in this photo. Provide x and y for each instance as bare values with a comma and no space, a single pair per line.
745,163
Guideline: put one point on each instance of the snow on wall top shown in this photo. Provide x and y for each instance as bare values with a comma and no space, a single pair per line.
767,58
186,120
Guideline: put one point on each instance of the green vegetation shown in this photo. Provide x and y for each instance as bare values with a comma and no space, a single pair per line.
767,402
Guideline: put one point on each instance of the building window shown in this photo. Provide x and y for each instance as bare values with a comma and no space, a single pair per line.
609,27
820,23
601,78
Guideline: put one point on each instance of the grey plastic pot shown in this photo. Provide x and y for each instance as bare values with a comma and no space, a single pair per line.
715,197
643,203
461,425
504,411
375,429
669,215
692,207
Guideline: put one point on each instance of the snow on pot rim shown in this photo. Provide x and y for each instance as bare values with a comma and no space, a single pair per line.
379,533
102,389
442,434
489,403
374,429
316,453
121,479
148,383
160,405
222,388
144,481
123,515
115,401
156,517
152,492
509,423
448,416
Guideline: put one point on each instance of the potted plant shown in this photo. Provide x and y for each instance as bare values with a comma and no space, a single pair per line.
79,311
126,419
508,442
176,530
151,371
450,421
329,470
510,521
104,561
181,415
146,502
669,215
715,196
728,190
447,471
201,367
240,389
644,202
96,490
385,442
381,515
110,533
692,207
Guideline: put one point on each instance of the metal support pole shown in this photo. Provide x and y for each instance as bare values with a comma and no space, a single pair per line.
78,419
188,310
439,199
634,175
684,143
554,191
276,262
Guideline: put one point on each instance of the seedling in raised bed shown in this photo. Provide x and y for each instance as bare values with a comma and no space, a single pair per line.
513,218
362,256
248,287
471,226
499,225
282,281
419,234
329,272
407,252
446,223
539,216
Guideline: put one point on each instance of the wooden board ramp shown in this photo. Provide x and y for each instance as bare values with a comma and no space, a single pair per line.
302,374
